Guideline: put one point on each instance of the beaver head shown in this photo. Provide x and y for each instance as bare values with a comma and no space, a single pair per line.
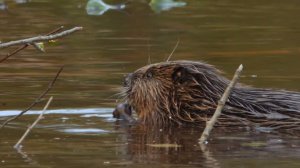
175,91
188,92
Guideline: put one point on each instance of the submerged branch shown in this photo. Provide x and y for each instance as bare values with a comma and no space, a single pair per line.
51,84
17,145
210,124
40,38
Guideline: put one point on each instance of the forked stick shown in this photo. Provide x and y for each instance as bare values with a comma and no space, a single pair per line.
40,38
26,45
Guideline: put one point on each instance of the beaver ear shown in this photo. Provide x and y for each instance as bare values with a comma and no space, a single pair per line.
180,75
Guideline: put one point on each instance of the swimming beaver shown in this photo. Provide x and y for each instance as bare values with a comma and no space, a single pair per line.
187,92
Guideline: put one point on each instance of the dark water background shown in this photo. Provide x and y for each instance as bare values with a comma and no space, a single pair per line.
80,132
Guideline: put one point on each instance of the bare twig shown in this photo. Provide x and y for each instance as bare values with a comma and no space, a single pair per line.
26,45
17,145
40,38
14,52
221,103
55,30
51,84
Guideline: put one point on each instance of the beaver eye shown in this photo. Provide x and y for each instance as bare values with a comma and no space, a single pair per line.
149,74
180,75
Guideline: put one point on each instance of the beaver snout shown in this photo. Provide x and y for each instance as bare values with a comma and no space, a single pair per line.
121,109
127,80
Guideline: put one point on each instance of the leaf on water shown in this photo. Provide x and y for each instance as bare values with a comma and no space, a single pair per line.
164,145
254,144
39,46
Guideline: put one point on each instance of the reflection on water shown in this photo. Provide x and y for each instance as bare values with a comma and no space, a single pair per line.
84,131
79,131
2,5
180,146
68,139
88,112
22,1
99,7
165,5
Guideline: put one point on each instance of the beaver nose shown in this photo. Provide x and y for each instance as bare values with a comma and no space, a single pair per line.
127,80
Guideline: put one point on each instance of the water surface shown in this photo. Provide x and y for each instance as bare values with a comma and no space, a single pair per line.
80,132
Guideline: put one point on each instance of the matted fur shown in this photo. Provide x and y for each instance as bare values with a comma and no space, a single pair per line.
187,92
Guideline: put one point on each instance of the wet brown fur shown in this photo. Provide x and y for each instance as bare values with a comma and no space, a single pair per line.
187,92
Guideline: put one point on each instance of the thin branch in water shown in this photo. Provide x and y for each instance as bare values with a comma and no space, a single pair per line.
210,124
209,160
17,145
14,52
174,49
26,45
40,38
27,158
51,84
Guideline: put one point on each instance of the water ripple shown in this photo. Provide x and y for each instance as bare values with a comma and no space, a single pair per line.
84,131
85,111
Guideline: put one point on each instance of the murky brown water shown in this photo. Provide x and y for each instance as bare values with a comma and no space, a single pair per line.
80,131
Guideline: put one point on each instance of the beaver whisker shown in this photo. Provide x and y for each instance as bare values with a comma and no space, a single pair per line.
121,94
174,49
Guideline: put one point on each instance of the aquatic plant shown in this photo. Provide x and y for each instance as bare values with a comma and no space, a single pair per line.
164,5
98,7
